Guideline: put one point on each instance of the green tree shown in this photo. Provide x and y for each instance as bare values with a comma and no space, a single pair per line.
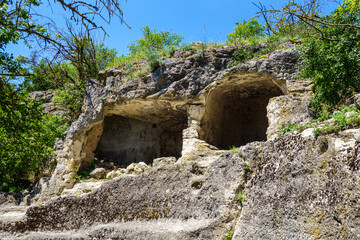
246,30
84,54
330,50
153,41
304,18
26,134
334,62
79,61
49,75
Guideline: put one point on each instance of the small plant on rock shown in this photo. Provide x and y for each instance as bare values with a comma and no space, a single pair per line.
187,47
240,197
234,150
154,62
229,236
247,168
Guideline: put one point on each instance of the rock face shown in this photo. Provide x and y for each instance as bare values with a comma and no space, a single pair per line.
304,188
145,118
98,173
286,110
47,97
293,187
183,118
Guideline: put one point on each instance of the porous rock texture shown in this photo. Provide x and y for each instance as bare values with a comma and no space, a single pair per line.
291,186
294,187
181,94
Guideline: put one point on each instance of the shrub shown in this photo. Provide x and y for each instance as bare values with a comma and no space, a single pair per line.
70,98
333,64
187,47
247,30
154,62
171,50
241,55
288,128
152,42
343,118
240,197
26,146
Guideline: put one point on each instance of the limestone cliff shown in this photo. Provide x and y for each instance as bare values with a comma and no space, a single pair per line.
194,108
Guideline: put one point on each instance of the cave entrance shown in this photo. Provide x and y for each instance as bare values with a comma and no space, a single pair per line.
235,114
127,140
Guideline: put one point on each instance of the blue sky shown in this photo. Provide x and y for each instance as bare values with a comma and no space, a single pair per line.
196,20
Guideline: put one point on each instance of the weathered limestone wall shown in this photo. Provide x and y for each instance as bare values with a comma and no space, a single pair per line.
292,108
293,186
230,101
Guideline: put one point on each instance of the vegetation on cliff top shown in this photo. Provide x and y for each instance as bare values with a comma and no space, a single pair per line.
330,53
27,135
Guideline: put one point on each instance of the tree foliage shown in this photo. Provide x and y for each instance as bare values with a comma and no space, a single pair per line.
334,66
26,139
152,42
246,30
330,50
304,18
27,135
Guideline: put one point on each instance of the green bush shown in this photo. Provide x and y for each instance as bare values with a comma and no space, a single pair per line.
153,42
288,128
187,47
334,65
246,31
154,62
70,98
344,118
241,55
27,137
171,50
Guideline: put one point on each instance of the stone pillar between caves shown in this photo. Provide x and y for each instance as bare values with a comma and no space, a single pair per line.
191,133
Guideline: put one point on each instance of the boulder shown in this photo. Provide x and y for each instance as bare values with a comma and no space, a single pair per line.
287,110
164,161
98,173
137,168
115,173
141,167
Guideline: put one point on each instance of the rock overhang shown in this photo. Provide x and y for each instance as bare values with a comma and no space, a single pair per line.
177,94
294,178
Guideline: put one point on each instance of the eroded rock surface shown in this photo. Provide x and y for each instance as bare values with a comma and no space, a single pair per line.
294,187
159,107
304,188
184,193
182,119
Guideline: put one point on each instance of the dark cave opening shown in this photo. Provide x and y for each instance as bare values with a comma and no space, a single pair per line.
236,114
127,140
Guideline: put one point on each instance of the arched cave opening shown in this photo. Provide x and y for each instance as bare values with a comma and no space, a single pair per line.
143,132
235,114
127,140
